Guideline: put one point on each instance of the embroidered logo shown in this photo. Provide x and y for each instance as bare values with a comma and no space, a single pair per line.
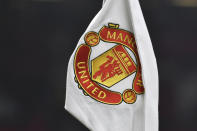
96,77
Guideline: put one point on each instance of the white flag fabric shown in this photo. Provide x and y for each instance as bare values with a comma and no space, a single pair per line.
112,76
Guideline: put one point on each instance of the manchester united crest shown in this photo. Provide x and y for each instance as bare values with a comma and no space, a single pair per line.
96,77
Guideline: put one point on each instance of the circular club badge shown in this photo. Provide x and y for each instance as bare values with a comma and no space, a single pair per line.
110,67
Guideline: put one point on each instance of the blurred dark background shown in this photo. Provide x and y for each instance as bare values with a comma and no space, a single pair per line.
38,37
